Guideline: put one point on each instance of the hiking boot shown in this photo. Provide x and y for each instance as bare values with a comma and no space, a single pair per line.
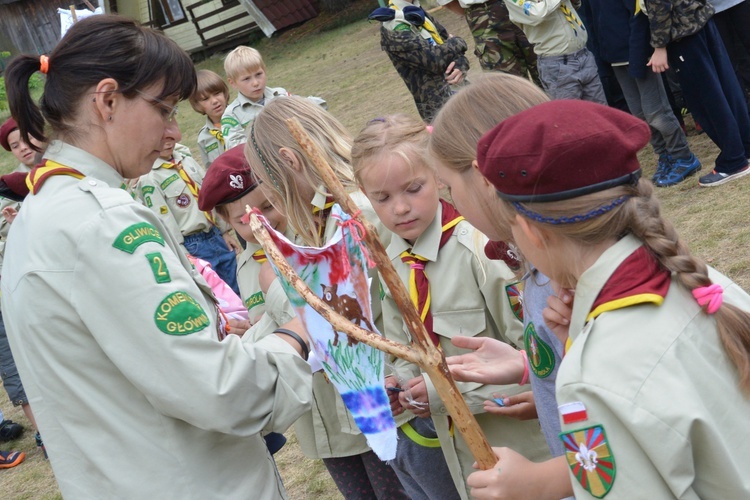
10,459
663,165
9,430
681,170
718,178
40,444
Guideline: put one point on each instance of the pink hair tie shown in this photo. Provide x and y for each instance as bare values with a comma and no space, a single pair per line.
429,128
710,296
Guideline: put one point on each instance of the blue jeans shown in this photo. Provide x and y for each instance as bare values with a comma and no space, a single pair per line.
647,99
9,372
713,94
211,247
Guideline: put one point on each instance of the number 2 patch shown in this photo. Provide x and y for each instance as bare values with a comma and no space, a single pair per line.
158,267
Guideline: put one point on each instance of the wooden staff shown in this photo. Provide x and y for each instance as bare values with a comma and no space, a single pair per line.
73,13
422,351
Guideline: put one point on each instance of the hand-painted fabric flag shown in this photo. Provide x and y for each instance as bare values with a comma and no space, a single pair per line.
338,274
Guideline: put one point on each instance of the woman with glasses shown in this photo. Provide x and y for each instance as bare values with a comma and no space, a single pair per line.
115,337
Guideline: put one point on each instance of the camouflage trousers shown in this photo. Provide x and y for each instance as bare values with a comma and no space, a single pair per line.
500,44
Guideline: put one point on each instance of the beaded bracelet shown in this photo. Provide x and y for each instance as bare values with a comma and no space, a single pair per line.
302,343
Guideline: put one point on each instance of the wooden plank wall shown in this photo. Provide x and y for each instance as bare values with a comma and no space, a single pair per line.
31,26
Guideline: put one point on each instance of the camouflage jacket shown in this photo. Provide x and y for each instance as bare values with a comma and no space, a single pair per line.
675,19
422,65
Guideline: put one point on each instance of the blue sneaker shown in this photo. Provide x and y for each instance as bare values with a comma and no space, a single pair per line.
681,170
718,178
663,165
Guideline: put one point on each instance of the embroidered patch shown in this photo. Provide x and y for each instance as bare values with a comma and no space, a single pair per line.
159,267
515,297
169,180
227,123
590,459
146,191
136,235
236,182
163,209
255,299
541,356
183,200
180,314
211,147
573,412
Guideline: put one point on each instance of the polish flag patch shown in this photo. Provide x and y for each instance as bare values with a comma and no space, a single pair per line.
573,412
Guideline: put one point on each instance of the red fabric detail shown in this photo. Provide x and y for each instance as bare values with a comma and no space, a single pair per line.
423,284
639,273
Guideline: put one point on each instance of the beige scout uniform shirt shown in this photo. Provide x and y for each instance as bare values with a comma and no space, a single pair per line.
164,192
130,402
240,114
329,430
4,226
468,297
659,383
553,26
209,146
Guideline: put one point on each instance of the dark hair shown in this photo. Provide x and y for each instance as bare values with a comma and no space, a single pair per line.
93,49
209,83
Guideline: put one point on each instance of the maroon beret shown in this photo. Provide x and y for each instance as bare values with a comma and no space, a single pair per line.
562,149
9,126
227,179
13,186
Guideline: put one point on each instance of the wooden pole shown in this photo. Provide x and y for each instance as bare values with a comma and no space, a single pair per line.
429,358
73,13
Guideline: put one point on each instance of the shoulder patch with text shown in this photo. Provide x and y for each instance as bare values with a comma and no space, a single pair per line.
146,191
169,180
590,459
541,356
513,293
211,147
136,235
255,299
180,314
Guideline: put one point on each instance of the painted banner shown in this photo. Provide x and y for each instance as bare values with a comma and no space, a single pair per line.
337,273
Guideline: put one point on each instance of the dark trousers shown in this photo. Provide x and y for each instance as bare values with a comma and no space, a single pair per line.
733,26
713,94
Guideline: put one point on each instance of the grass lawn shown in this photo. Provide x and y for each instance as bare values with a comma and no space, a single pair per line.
345,66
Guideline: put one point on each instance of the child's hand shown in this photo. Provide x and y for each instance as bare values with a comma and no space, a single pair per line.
521,406
658,61
415,390
9,213
512,477
453,75
393,388
237,326
232,242
558,312
492,362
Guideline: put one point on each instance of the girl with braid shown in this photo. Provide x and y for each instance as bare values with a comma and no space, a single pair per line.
654,388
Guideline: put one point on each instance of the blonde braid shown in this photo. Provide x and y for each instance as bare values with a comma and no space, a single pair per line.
659,235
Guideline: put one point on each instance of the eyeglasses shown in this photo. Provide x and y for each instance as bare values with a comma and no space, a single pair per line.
168,112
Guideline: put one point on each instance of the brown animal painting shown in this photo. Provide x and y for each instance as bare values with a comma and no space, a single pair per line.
348,307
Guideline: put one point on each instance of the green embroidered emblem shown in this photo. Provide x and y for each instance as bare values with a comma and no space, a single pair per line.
590,459
226,123
211,147
159,267
180,314
255,299
136,235
541,356
169,180
146,191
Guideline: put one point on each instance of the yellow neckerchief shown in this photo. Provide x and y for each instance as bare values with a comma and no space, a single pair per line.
219,136
259,256
192,186
428,26
39,174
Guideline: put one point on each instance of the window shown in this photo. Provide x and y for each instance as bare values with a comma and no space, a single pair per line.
167,13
